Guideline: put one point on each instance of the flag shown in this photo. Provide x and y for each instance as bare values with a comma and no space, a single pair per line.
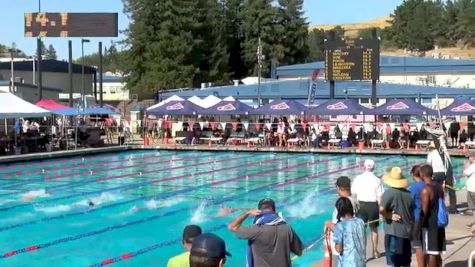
312,90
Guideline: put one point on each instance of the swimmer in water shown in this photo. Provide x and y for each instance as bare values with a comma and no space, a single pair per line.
34,194
90,203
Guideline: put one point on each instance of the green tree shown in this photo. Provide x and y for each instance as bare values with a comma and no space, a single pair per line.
316,42
295,27
50,53
234,37
339,32
260,20
465,25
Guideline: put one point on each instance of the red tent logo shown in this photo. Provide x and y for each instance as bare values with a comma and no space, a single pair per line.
337,106
280,106
227,107
463,107
397,106
176,106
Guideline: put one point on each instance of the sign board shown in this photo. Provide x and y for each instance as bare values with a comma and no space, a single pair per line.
67,24
352,59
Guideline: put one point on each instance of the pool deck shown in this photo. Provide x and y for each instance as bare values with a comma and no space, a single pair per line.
460,243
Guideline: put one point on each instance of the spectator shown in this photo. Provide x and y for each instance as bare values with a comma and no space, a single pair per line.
469,171
314,139
271,239
343,189
395,137
405,134
433,236
351,137
208,250
422,133
416,189
435,161
349,235
189,234
463,138
387,134
367,189
454,130
397,208
18,127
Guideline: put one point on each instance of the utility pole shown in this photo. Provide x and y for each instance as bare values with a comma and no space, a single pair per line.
12,53
260,59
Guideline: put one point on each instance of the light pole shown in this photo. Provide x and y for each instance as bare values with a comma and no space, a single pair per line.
12,54
260,58
82,65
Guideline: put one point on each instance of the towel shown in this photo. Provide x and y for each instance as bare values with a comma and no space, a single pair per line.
265,218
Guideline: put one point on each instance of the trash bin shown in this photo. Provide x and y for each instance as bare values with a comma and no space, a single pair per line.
361,145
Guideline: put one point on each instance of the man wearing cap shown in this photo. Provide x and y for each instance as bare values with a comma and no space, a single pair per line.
270,238
397,206
189,234
208,250
367,190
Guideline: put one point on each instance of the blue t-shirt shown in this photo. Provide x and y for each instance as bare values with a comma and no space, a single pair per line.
416,189
351,234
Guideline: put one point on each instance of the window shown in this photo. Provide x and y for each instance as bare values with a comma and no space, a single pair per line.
113,90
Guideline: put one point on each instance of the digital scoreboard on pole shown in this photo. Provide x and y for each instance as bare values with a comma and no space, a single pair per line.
352,60
67,24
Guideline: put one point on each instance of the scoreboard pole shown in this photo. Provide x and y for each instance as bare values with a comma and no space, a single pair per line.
70,72
40,78
101,100
332,37
374,99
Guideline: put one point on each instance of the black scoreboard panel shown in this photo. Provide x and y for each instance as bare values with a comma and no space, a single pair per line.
71,24
352,60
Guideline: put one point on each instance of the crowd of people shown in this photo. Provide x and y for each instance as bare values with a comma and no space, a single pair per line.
414,217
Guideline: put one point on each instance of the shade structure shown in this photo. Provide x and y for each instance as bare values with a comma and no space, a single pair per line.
105,106
210,101
460,107
281,107
401,107
176,108
171,98
11,106
337,107
98,111
195,100
228,108
50,104
229,98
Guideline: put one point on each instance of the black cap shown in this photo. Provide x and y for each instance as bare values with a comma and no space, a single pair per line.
210,246
266,202
343,182
191,232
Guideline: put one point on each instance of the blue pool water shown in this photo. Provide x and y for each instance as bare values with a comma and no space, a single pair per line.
45,220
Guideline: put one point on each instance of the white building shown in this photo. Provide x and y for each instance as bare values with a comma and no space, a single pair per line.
114,89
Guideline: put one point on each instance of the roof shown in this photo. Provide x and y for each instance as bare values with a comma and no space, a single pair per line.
48,65
391,65
298,89
112,79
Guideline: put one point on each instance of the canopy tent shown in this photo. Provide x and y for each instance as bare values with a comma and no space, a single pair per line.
105,106
87,111
461,107
281,107
136,108
228,108
50,104
229,98
11,106
210,101
195,100
401,107
176,108
336,107
171,98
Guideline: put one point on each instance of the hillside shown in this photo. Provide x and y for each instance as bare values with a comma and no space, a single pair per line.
351,30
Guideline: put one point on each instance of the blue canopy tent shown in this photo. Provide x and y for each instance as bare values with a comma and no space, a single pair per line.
460,107
87,111
281,107
401,107
336,107
228,108
176,108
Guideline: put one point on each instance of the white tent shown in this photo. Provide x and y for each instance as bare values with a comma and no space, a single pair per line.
171,98
11,106
195,100
229,98
210,101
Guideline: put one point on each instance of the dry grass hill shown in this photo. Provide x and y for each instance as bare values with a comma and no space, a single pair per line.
351,30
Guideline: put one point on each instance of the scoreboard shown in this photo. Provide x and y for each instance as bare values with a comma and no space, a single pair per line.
352,60
67,24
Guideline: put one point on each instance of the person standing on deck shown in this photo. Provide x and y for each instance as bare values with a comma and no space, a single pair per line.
416,189
189,234
367,189
397,208
469,171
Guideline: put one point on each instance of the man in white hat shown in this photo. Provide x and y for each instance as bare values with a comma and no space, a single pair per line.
397,206
367,189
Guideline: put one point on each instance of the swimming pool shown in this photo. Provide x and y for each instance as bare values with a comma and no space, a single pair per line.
45,219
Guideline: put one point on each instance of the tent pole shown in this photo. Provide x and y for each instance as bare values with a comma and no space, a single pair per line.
6,131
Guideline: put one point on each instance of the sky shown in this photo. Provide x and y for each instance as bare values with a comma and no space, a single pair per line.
12,18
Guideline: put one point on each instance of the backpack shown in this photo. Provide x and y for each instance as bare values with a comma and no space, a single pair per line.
442,214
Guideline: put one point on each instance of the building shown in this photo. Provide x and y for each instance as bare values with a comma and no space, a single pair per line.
113,88
55,79
401,77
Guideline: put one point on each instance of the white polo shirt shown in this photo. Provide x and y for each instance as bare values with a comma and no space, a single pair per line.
470,172
367,187
434,159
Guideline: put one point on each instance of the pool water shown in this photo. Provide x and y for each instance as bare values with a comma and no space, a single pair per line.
46,221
